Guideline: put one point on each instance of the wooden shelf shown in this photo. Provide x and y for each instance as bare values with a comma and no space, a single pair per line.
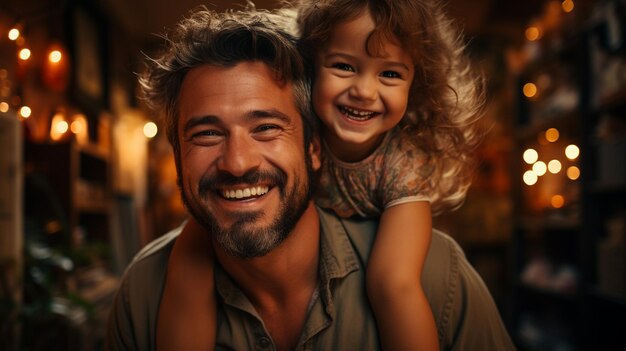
548,223
549,293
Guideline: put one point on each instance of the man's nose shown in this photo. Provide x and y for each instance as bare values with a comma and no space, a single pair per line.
239,154
365,88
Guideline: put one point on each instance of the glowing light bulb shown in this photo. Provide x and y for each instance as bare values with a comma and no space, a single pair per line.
567,6
554,166
25,111
24,54
77,126
529,90
4,107
55,56
150,130
14,33
61,127
557,201
540,168
530,156
573,173
532,33
530,178
572,152
552,135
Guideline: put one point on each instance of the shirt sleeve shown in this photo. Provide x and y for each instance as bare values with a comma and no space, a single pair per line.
118,336
472,318
406,172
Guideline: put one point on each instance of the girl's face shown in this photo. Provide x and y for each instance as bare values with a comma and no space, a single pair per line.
359,97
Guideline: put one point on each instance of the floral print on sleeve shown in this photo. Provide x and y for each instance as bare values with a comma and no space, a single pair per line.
396,172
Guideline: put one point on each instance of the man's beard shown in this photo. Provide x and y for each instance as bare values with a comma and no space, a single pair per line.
244,239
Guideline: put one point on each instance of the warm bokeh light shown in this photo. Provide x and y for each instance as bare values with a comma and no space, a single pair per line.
4,107
79,124
150,129
540,168
61,127
532,33
530,178
572,151
55,56
530,156
557,201
529,90
552,135
25,111
567,6
58,126
554,166
14,33
573,173
24,54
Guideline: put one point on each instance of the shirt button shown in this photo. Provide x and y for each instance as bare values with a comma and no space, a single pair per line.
263,342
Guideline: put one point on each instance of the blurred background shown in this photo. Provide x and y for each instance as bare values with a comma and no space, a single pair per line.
87,177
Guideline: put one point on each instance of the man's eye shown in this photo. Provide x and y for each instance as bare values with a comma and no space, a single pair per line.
206,133
266,127
267,132
205,137
390,74
343,67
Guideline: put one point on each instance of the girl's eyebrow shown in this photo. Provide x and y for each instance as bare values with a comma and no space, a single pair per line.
390,63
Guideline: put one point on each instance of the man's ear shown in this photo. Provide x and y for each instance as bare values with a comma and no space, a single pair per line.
315,152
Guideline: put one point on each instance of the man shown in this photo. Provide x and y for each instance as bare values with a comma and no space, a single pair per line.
288,275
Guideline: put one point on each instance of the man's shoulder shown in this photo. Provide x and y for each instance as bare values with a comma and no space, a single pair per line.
149,264
444,250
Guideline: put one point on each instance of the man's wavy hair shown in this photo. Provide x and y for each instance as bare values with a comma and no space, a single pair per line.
224,40
447,97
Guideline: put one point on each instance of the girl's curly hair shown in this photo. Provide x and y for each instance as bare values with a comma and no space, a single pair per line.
447,97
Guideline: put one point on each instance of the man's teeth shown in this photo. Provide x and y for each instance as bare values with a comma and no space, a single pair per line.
247,192
356,114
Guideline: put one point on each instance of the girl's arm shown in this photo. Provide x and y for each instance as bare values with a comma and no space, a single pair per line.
403,315
187,313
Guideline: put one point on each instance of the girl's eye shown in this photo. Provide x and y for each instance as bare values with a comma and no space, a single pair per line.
390,74
343,67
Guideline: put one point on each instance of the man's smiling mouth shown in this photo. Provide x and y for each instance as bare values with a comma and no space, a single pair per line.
357,115
245,193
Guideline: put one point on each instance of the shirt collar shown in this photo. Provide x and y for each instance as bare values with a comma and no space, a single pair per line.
337,260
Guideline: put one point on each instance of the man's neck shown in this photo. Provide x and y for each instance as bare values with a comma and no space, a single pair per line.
281,283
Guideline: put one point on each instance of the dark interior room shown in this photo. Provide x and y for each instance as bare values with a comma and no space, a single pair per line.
87,176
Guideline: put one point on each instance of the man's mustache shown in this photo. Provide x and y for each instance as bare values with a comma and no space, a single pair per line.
221,179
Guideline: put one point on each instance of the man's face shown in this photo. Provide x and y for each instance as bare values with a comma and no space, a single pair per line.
243,173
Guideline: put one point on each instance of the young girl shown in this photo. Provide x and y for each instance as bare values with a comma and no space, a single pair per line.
399,105
398,102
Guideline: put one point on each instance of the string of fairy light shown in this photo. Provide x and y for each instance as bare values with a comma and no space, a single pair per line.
551,156
55,57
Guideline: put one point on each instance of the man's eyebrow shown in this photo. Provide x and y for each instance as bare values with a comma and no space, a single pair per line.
270,113
198,120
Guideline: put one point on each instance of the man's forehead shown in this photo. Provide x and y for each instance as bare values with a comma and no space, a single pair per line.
247,86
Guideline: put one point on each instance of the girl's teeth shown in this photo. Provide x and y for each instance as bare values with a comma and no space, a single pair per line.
356,114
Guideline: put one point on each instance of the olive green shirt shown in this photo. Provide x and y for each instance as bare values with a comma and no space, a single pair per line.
339,317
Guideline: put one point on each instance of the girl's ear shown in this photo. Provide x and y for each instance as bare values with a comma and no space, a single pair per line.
315,153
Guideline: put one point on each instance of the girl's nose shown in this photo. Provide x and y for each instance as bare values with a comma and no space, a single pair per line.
365,88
